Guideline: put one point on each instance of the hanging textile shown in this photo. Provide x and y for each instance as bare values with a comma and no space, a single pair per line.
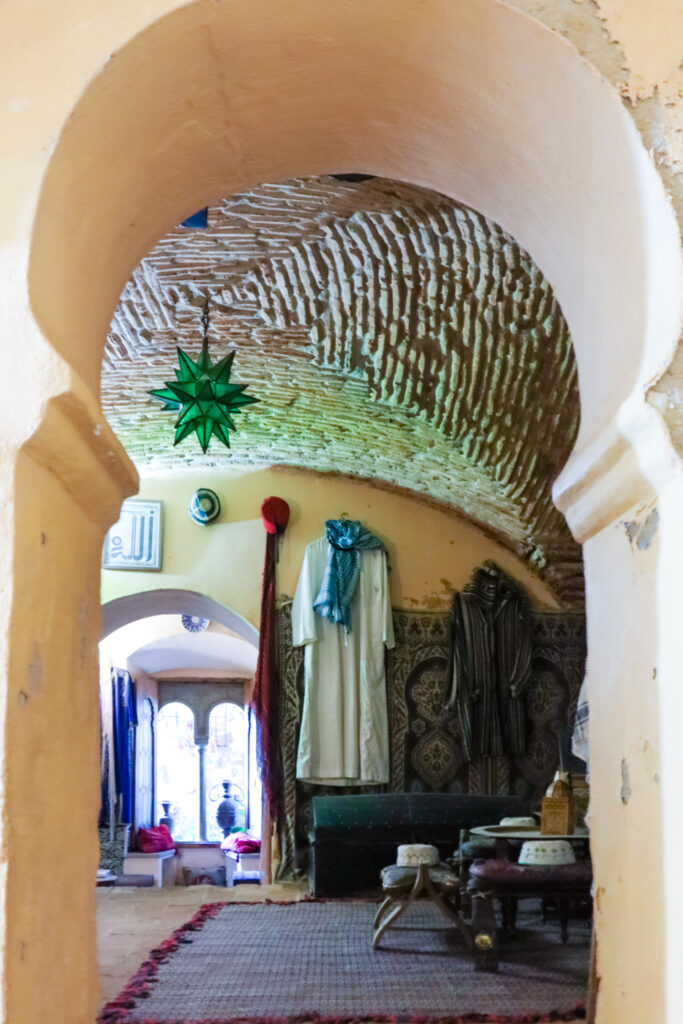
125,720
490,663
580,746
107,816
344,725
265,700
346,538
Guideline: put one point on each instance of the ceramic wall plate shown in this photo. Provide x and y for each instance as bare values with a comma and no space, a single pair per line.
204,506
194,623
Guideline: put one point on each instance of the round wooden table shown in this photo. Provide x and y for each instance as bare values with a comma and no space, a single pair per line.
504,833
483,919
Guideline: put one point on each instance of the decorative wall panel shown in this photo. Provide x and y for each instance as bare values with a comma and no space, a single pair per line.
425,752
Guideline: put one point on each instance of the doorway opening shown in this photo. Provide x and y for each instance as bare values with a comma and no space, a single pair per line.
190,735
440,375
612,255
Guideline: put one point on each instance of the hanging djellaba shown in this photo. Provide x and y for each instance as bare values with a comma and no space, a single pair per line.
203,395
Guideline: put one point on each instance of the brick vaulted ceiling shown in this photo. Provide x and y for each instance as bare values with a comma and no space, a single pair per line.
390,333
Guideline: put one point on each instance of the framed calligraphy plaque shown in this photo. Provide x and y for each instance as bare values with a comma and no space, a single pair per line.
135,541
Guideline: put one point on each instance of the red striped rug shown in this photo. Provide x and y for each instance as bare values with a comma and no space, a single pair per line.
289,963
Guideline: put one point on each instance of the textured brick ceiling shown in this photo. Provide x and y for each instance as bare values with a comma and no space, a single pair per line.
390,334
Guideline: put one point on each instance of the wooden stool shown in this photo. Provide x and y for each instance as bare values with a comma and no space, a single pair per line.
402,885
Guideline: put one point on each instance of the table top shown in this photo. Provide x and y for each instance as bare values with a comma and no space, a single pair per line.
525,832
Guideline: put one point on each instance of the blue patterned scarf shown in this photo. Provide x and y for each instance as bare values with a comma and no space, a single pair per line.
347,538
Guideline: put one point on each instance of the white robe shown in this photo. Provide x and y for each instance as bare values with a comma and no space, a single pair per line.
344,738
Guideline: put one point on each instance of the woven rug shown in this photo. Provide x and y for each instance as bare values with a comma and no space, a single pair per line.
313,961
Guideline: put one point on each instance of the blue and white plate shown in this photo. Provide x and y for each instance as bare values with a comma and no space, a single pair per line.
194,623
204,506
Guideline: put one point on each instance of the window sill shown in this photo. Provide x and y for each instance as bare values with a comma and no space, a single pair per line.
187,844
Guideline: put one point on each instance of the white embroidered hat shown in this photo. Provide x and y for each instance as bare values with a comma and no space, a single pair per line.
518,822
414,854
544,852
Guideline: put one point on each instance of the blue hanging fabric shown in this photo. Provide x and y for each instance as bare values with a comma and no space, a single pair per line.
105,810
347,538
125,721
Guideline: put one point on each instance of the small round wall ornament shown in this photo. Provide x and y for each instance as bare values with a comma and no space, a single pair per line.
204,506
194,623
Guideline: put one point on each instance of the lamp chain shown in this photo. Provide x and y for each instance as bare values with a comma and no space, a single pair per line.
205,323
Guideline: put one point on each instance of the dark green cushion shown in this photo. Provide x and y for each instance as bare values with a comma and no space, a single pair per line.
406,817
342,814
480,848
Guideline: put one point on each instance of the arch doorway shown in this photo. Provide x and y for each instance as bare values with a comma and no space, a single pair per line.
208,99
194,725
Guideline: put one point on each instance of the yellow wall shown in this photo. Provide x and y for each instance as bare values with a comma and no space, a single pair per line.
431,552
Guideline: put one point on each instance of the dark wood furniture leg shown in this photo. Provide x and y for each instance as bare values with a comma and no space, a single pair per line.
563,911
484,938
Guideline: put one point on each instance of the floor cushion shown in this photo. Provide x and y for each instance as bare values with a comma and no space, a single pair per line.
505,874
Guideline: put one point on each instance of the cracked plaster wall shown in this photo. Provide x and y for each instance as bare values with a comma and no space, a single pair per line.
638,47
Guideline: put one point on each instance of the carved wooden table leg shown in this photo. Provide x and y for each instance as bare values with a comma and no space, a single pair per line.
483,928
563,911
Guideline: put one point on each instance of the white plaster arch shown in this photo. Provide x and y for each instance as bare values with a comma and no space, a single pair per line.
197,652
236,104
168,601
481,103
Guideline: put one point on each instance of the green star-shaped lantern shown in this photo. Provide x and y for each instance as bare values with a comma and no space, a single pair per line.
204,396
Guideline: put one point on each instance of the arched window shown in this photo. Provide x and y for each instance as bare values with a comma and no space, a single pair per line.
227,760
178,769
192,765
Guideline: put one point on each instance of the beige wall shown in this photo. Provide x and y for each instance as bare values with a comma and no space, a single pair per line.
114,126
51,748
432,552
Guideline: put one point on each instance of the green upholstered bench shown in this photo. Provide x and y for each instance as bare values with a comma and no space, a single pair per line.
353,837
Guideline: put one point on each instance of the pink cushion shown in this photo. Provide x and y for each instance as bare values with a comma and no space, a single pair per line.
154,840
240,842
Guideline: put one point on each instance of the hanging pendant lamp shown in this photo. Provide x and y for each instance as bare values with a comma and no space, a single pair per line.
203,394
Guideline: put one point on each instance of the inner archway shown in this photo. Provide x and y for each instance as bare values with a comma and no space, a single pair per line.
224,99
122,610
